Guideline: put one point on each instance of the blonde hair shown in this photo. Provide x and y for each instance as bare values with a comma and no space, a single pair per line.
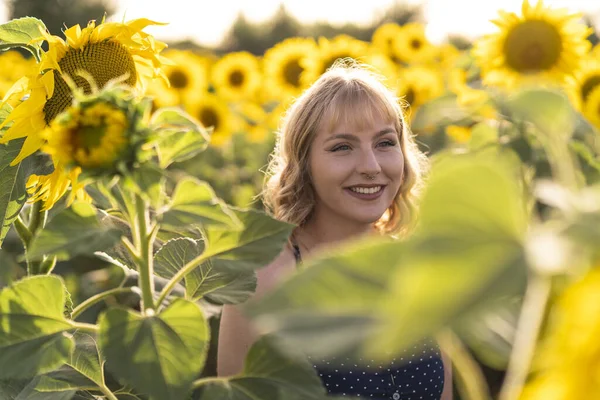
342,94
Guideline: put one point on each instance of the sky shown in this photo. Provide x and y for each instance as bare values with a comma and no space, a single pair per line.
206,22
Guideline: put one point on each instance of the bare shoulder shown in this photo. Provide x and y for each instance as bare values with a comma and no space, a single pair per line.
280,268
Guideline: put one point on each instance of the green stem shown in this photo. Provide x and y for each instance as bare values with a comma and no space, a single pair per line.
99,297
530,322
37,220
211,379
106,392
143,243
48,265
82,326
23,231
470,380
182,273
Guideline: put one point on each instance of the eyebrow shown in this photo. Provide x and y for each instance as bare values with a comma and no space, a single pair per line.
349,136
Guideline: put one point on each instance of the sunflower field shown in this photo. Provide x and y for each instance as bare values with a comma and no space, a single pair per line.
130,176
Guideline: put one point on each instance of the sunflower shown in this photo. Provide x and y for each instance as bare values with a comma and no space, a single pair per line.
213,112
541,45
474,100
237,76
340,47
188,74
584,81
384,37
52,187
283,66
419,84
411,45
591,108
104,52
383,66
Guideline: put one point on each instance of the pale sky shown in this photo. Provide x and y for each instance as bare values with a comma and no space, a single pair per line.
205,22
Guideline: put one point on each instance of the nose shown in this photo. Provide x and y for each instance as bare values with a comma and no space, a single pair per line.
368,163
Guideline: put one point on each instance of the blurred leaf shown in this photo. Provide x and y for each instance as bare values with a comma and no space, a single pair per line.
482,134
179,136
23,32
31,327
72,232
380,298
29,392
443,110
82,372
214,279
161,354
549,110
148,181
491,335
195,203
269,374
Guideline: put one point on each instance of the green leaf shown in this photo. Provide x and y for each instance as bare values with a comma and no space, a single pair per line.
326,309
482,134
82,372
215,280
30,393
161,354
439,112
23,32
269,374
255,245
149,181
549,110
179,136
195,203
72,232
31,327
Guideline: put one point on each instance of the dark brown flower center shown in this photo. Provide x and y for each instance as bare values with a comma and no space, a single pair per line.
209,118
236,78
102,61
292,71
178,79
588,85
533,46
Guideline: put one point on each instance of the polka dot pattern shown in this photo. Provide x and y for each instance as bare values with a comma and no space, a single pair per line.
415,374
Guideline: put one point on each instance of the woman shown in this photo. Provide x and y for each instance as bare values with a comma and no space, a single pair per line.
345,166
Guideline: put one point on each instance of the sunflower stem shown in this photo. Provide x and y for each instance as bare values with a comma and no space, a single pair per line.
77,311
529,325
143,242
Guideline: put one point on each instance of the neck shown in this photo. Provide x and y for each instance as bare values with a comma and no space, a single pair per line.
319,231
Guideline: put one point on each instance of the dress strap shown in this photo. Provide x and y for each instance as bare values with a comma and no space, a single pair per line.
296,250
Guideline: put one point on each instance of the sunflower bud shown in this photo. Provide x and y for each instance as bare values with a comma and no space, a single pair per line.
100,133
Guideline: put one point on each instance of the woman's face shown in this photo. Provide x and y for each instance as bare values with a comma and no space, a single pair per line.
343,160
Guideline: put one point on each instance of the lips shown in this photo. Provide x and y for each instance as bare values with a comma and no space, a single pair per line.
365,192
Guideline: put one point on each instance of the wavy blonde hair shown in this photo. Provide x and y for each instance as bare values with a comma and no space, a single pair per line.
342,94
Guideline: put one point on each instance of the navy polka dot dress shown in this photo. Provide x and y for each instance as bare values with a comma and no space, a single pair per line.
415,374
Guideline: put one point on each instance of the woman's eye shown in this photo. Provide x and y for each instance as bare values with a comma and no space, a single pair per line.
388,143
341,147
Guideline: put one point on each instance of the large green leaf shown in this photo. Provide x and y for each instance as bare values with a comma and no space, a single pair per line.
214,280
161,354
180,136
269,374
73,231
82,372
383,297
32,326
22,32
194,203
439,112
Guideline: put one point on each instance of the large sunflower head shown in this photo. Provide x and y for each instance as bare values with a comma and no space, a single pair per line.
541,45
283,65
340,47
237,76
103,52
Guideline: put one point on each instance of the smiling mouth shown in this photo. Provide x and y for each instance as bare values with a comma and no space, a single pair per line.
366,190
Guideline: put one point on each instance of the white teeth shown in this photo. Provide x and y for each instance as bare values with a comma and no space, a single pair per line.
366,190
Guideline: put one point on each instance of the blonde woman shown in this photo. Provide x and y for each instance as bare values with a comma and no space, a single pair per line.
345,166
